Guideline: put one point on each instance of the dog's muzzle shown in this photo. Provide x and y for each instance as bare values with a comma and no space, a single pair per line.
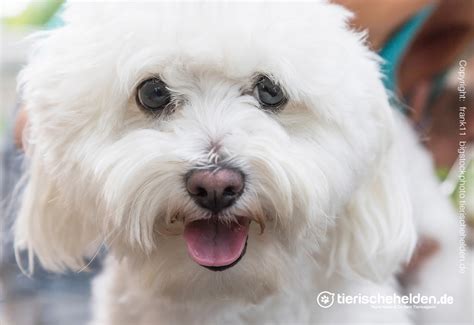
211,242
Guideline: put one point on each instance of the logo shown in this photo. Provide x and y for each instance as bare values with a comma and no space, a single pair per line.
325,299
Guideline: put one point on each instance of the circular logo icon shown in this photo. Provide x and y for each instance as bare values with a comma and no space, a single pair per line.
325,299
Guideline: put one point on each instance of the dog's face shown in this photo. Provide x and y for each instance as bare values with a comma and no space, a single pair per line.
192,139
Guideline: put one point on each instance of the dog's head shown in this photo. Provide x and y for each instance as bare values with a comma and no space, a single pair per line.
193,138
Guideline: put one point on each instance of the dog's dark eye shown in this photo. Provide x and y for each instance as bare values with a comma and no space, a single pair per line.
152,95
268,93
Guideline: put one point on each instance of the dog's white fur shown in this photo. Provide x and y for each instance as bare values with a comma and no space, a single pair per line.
330,174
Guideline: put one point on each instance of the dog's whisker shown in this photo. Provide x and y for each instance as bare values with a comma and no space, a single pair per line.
96,253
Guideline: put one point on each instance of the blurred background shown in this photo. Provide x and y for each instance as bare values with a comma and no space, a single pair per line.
423,43
44,298
18,19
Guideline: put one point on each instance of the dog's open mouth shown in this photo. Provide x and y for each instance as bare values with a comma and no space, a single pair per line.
216,245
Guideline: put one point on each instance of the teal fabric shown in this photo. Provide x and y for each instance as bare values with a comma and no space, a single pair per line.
395,48
56,20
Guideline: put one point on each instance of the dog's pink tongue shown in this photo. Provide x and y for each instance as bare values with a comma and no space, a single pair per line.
213,243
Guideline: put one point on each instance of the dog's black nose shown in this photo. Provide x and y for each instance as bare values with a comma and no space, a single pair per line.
215,190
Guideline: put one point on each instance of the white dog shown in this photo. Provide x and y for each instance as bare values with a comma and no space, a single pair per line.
235,159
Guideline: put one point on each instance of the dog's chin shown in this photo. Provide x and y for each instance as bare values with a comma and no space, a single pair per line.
252,264
217,244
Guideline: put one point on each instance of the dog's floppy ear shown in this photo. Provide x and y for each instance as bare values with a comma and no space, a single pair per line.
375,234
55,222
48,226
